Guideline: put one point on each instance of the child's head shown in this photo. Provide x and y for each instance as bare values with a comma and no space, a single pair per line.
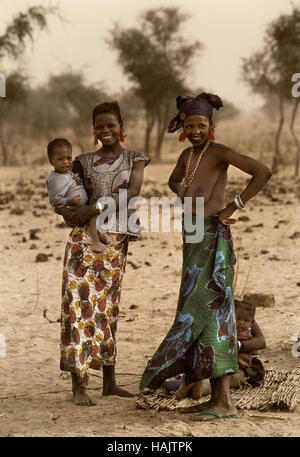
60,154
107,123
244,314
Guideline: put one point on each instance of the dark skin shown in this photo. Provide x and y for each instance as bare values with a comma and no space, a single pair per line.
209,182
211,177
257,342
107,129
205,386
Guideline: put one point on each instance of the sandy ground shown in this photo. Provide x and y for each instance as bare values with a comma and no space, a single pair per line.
36,397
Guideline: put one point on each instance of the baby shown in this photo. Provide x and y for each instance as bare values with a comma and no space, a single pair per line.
65,187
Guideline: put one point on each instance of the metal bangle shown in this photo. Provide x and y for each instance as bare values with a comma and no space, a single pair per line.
241,201
237,203
99,206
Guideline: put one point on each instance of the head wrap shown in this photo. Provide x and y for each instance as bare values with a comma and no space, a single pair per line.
203,104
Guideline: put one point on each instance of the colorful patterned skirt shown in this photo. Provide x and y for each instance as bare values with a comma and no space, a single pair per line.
91,292
202,339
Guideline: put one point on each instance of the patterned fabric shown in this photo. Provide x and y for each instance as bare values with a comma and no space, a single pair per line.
105,178
244,358
202,339
187,106
91,291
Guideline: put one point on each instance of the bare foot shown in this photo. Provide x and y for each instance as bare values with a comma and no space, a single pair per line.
183,390
191,409
80,396
196,390
218,409
209,415
201,388
115,390
82,399
109,383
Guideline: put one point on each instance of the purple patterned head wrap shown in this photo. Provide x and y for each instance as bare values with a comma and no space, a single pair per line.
203,104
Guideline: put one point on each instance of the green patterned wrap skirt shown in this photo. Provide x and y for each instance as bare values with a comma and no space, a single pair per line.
202,340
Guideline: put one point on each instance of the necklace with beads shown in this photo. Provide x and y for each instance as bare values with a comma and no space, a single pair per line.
189,179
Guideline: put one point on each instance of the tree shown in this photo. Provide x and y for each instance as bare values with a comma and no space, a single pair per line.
284,42
16,93
262,77
69,91
155,58
12,44
269,72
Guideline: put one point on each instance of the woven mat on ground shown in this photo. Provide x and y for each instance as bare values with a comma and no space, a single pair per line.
280,391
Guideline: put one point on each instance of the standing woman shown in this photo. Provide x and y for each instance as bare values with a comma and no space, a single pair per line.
92,282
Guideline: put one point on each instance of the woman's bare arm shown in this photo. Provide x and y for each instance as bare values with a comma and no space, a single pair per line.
259,172
177,175
135,182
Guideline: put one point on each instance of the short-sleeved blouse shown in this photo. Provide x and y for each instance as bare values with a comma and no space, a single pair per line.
104,177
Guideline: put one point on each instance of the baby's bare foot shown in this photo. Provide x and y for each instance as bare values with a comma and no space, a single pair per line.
98,248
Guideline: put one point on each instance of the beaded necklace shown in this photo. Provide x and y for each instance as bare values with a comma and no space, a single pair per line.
189,179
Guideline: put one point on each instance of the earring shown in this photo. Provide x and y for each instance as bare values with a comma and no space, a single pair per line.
182,137
122,135
95,139
211,135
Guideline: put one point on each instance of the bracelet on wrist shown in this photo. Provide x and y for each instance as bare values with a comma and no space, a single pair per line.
99,207
238,202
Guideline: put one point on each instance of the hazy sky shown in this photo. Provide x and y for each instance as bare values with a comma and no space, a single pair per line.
228,29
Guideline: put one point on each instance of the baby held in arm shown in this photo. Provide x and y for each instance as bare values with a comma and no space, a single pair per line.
65,187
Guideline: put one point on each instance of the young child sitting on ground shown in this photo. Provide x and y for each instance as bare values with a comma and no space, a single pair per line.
250,340
65,187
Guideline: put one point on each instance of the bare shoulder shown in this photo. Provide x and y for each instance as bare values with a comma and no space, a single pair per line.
221,149
184,155
245,163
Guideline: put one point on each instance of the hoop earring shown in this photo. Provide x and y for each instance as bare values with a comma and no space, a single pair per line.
122,135
182,137
211,135
95,139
